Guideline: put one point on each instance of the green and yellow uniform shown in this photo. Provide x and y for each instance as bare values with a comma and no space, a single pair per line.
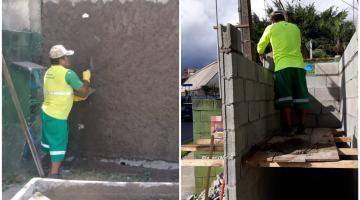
59,86
290,81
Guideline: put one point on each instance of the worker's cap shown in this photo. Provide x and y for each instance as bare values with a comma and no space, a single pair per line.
278,12
59,51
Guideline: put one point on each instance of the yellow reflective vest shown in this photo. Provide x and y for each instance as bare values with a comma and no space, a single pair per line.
58,94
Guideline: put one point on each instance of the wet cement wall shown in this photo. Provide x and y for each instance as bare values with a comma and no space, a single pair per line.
134,47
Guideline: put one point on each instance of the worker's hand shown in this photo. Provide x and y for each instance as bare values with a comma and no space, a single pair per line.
86,75
77,98
262,57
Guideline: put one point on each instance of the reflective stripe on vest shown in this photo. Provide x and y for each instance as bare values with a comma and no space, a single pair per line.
58,94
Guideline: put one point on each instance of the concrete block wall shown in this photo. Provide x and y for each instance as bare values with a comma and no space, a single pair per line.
249,115
324,89
348,69
203,109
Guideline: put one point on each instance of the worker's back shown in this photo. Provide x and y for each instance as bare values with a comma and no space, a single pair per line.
285,39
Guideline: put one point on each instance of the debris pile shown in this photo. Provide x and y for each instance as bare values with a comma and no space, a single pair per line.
214,190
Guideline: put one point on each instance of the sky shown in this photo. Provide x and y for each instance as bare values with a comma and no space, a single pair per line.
198,38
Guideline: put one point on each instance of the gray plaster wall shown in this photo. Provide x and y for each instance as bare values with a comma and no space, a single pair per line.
134,47
324,89
21,15
249,116
348,68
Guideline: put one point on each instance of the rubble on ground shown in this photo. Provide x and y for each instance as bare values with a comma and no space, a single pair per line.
214,191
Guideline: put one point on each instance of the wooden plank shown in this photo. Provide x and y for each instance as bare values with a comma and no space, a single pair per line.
348,151
290,158
201,147
203,162
342,164
207,141
323,146
342,139
338,132
209,169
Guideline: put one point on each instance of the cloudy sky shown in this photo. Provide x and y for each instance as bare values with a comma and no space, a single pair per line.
198,38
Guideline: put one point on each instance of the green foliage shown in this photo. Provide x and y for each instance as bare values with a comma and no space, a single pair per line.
328,30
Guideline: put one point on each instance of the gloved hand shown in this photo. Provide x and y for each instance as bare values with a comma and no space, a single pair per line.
86,75
77,98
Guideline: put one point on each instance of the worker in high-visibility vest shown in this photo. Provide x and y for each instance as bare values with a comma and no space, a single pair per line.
290,82
62,86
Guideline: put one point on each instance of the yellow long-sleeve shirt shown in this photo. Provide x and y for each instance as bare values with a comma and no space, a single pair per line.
285,39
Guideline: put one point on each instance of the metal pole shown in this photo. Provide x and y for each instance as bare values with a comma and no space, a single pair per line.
218,50
20,114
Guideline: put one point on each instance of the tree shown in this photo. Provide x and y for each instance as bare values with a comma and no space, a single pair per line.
328,30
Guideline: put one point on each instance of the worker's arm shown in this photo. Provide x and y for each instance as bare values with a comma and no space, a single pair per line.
264,41
81,88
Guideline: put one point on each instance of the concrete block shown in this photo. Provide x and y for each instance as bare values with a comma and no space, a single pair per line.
329,121
327,68
256,131
269,93
250,90
236,115
270,77
273,123
333,81
322,94
328,107
254,111
351,69
232,39
233,171
312,94
234,90
351,49
351,88
316,81
241,113
246,68
231,62
262,75
236,141
352,106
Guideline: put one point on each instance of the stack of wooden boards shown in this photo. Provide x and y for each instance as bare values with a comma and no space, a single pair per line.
318,148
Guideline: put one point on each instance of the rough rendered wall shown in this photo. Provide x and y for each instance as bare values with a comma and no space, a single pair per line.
134,46
249,116
324,89
348,68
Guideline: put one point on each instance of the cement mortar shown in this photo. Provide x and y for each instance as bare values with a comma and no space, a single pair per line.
134,47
